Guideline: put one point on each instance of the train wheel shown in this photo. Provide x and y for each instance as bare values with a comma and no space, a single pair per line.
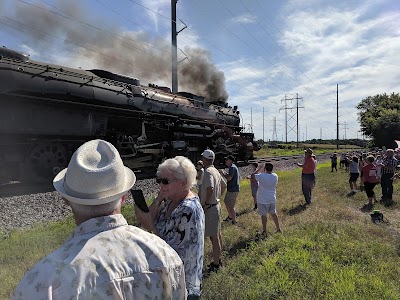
45,161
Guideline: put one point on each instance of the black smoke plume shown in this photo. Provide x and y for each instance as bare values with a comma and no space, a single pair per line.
61,28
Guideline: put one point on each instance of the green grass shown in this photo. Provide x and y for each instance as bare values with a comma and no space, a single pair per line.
265,151
330,250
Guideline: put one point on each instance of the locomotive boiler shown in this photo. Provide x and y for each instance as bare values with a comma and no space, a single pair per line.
47,111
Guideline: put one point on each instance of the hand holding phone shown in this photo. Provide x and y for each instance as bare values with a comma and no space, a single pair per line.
139,200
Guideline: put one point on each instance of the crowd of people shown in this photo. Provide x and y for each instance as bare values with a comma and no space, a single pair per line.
106,258
370,169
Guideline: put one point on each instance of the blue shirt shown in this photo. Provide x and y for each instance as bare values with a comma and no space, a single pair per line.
184,232
233,184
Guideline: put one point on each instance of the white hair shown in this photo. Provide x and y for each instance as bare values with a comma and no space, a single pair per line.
92,211
181,168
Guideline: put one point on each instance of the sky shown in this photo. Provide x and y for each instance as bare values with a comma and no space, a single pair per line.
279,61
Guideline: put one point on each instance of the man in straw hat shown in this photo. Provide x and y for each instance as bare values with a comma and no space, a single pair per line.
307,175
104,258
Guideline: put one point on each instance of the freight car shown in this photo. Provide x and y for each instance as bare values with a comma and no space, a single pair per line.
48,110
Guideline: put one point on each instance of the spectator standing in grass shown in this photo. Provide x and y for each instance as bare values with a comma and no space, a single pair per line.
232,189
389,166
266,196
354,174
347,162
104,258
370,179
212,187
342,160
315,166
254,185
378,164
361,163
199,176
307,175
177,216
334,160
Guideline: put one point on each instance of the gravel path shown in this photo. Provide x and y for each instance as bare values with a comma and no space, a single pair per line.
27,210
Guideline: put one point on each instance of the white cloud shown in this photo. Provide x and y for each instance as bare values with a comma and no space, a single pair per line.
245,19
344,47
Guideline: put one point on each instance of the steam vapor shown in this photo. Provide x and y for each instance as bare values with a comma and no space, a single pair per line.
135,54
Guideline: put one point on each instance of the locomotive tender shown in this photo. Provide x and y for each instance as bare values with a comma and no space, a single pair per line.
47,111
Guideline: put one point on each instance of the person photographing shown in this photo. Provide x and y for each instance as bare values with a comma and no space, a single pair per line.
177,216
307,175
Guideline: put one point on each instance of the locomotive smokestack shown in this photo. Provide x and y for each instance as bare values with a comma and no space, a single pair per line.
130,53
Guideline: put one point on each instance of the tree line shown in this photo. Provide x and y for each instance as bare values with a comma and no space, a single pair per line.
379,117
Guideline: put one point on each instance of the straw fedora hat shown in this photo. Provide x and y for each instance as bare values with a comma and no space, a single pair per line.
95,175
308,150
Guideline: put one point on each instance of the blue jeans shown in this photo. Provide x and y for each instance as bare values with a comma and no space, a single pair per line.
307,184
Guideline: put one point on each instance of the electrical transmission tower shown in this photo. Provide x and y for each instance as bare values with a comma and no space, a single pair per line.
344,124
274,134
292,116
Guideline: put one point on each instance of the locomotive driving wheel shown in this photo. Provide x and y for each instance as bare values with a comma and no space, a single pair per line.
45,161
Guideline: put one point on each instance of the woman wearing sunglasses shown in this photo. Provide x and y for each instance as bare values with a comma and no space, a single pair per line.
177,217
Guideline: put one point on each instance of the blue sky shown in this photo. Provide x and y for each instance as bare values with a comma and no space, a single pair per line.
268,51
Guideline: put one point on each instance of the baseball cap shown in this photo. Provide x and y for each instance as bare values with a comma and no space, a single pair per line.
208,154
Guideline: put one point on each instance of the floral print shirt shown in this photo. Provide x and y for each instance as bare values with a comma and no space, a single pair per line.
184,231
105,258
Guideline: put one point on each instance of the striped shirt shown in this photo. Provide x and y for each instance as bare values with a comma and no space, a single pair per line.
390,165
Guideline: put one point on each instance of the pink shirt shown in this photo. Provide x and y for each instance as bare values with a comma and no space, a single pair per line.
308,165
370,174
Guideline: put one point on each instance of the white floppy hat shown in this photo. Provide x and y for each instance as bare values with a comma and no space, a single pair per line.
95,175
209,154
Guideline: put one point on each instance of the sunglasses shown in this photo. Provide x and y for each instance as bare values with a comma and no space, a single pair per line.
164,181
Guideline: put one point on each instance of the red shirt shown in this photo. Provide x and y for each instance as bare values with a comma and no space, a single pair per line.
369,174
308,165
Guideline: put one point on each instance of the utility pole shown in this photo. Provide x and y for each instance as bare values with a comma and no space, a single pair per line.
297,119
337,116
251,119
174,49
263,126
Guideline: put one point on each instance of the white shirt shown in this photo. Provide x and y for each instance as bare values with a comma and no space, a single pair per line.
105,258
266,187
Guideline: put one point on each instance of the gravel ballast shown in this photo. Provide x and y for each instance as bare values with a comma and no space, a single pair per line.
27,210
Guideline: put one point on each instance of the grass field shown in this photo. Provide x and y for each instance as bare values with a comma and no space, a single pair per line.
265,151
330,250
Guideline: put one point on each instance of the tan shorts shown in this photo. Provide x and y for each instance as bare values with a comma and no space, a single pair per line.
212,220
264,209
230,199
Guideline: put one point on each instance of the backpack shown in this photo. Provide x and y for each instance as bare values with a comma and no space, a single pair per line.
376,216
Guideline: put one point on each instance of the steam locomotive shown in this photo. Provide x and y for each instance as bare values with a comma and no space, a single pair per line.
47,111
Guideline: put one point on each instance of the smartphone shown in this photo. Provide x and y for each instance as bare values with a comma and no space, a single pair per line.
139,200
